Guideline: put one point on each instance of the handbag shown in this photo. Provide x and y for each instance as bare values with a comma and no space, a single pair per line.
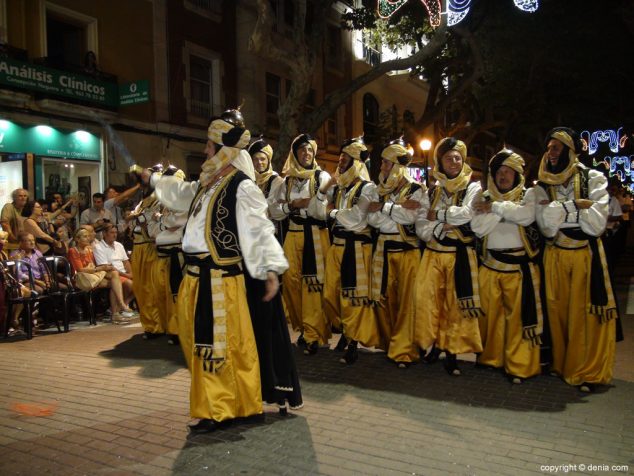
88,281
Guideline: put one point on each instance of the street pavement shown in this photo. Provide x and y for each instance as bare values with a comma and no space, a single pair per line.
101,400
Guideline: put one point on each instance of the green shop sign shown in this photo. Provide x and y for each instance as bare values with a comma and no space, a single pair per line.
47,141
134,93
61,83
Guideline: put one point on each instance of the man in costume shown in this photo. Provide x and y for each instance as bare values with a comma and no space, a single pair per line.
145,216
447,293
167,272
306,243
509,278
267,179
395,205
278,372
227,231
344,200
572,210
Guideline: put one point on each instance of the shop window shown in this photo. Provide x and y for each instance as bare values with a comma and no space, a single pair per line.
370,117
69,36
202,85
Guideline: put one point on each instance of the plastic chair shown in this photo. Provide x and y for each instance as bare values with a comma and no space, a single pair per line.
12,271
61,263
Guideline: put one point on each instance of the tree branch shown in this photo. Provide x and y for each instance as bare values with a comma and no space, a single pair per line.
335,99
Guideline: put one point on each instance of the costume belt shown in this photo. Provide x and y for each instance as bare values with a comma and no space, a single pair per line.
297,223
175,255
574,239
141,239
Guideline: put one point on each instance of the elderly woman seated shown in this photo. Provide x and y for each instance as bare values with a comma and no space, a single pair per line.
82,260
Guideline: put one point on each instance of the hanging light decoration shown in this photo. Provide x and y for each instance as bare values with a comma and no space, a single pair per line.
457,10
529,6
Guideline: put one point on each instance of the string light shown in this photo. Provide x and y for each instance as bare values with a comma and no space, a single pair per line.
387,8
612,137
529,6
457,10
434,8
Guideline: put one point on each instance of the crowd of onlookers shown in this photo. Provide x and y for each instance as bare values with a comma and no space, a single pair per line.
92,242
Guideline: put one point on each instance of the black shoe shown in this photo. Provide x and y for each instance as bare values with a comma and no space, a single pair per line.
351,355
451,364
173,340
301,342
282,407
205,425
342,344
150,335
432,355
311,349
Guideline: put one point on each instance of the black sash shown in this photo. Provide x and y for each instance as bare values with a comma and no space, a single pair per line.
529,305
349,262
462,276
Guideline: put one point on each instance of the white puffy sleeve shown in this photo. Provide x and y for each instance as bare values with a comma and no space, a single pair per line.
173,192
278,209
460,215
557,214
260,249
519,213
405,216
317,205
376,219
355,219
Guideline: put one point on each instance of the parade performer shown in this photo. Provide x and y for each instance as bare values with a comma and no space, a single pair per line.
278,372
168,271
572,211
143,260
512,324
344,200
396,203
227,231
447,293
267,179
306,244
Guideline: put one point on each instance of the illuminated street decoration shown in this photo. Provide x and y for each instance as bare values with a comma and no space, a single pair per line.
457,10
387,8
615,139
529,6
618,163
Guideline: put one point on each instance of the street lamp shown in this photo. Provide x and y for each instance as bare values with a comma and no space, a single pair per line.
425,146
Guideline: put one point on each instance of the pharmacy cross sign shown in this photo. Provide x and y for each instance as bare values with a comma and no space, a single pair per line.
456,9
